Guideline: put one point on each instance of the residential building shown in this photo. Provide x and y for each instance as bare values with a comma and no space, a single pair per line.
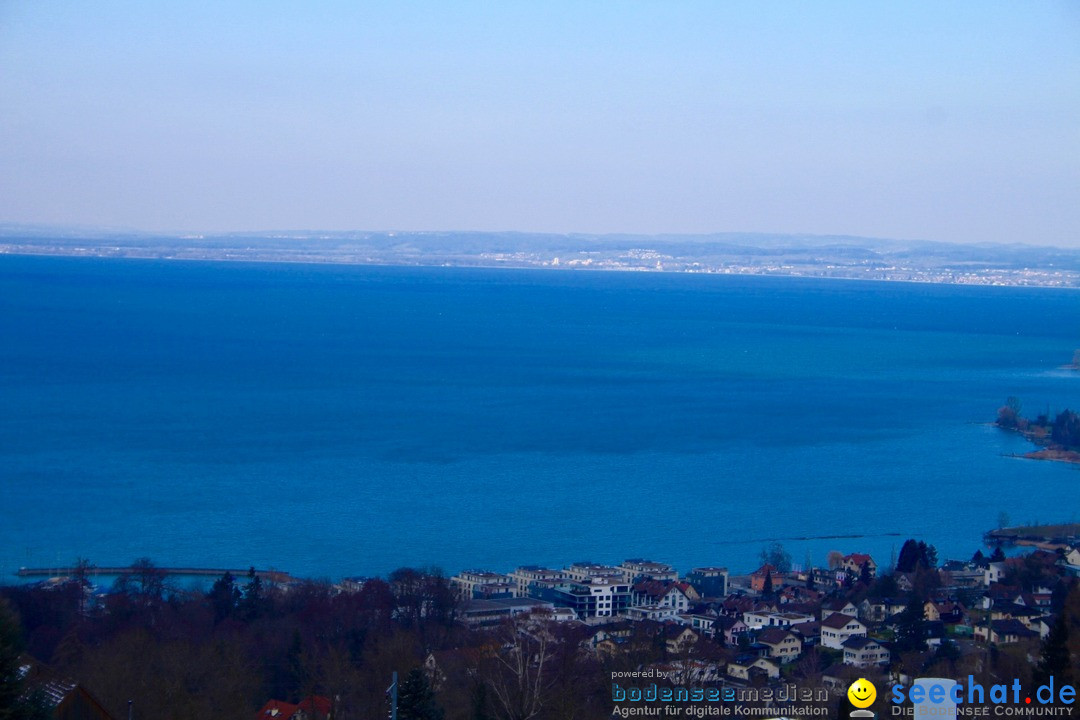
994,572
854,563
637,570
839,627
486,613
1004,632
588,571
864,652
948,612
589,599
527,574
655,592
764,618
838,606
678,639
783,645
657,613
744,668
766,573
709,581
60,696
471,584
313,707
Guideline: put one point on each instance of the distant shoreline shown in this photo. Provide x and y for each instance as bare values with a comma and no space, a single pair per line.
992,278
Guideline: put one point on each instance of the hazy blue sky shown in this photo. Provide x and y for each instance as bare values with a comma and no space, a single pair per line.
951,121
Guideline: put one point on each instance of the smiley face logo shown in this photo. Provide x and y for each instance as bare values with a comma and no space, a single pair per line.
862,693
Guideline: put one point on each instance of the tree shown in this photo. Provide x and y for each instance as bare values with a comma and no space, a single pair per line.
144,583
224,596
11,684
864,574
1054,661
774,554
909,556
998,555
767,586
914,554
1066,430
253,602
910,627
518,674
416,700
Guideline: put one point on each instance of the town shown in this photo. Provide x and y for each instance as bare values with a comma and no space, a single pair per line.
540,639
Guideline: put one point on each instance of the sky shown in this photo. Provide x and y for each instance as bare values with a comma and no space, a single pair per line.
955,121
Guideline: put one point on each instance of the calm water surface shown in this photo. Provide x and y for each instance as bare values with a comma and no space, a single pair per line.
337,421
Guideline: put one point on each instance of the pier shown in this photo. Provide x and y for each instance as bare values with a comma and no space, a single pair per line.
275,576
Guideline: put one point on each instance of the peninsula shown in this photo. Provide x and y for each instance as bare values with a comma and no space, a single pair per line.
1059,438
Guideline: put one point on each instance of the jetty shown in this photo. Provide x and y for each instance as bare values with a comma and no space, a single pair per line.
1061,534
275,576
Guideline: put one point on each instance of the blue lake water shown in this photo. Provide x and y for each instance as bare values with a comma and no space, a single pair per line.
334,421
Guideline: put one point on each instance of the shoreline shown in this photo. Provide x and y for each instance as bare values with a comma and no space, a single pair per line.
1047,450
436,263
1055,455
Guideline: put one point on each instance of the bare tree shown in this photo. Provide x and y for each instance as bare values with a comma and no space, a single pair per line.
517,671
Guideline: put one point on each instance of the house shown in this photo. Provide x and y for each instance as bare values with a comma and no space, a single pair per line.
838,606
957,575
701,622
732,628
1035,599
799,595
745,668
1071,556
763,573
666,594
688,590
839,627
864,652
656,613
948,612
313,707
994,572
1014,611
999,593
736,605
880,609
783,645
905,582
839,676
678,638
855,562
1004,632
613,633
764,618
64,698
810,633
